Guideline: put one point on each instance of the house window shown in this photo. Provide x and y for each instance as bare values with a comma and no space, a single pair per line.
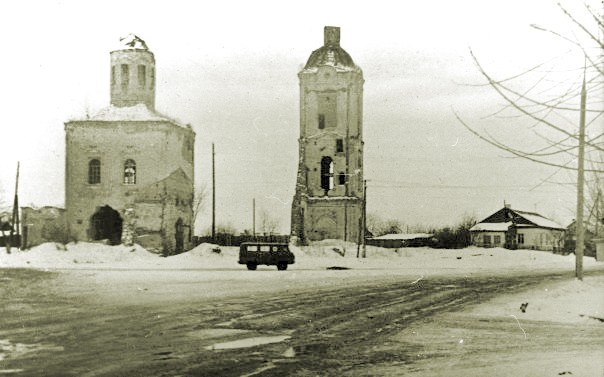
130,172
486,239
142,76
339,145
341,179
125,77
326,174
94,172
321,121
520,238
496,240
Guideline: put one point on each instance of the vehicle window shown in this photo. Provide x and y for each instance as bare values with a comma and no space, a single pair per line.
265,248
252,248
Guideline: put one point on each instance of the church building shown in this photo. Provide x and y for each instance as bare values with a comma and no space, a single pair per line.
129,169
328,199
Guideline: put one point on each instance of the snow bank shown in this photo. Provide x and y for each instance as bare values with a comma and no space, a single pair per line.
319,255
573,301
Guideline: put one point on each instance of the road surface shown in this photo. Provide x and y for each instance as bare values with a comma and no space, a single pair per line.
85,324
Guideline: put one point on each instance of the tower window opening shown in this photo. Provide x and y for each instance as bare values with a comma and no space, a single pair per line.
341,178
130,172
327,108
94,172
339,145
321,121
112,75
326,174
125,77
142,76
152,76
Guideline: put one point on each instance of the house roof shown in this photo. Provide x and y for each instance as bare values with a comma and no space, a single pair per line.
540,220
403,236
517,218
491,227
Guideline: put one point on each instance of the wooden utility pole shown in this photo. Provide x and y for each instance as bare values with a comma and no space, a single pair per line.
15,216
254,217
213,196
580,234
364,217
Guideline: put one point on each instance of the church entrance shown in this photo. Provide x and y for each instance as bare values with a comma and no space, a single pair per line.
179,235
106,223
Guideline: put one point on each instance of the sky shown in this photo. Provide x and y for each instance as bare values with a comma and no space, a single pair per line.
230,70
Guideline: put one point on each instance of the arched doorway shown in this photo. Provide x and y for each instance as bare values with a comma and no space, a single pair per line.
179,233
106,223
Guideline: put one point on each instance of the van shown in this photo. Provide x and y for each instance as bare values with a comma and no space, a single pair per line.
268,253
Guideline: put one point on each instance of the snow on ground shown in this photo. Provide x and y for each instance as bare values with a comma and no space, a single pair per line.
559,301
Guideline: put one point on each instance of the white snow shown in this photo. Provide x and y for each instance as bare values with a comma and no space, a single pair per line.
563,300
138,112
491,227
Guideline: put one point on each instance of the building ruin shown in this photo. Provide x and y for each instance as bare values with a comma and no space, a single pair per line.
129,169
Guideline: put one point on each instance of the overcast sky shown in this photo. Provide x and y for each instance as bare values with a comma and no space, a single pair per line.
230,70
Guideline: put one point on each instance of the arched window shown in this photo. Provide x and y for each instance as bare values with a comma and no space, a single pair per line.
326,173
94,172
130,172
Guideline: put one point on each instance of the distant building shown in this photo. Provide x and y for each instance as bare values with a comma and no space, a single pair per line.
46,224
514,229
570,240
401,240
329,187
129,169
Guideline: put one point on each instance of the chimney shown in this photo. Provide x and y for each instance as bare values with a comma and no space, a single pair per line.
331,36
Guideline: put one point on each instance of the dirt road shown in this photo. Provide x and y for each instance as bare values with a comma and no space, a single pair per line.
54,324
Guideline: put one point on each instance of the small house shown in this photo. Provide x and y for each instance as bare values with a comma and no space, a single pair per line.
515,229
393,241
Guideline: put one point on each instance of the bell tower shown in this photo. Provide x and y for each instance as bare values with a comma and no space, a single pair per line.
132,74
329,187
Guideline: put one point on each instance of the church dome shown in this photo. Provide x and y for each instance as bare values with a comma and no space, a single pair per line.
331,54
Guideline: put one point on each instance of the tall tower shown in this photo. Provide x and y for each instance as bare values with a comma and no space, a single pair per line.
132,74
329,188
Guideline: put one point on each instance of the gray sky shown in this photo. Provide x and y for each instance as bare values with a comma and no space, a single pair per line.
230,70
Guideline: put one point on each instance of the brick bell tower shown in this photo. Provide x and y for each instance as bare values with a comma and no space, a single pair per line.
329,187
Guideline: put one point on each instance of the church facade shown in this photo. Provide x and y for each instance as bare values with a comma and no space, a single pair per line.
129,169
328,199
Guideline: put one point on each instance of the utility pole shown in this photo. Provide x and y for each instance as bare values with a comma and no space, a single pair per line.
15,216
213,195
254,217
580,234
364,217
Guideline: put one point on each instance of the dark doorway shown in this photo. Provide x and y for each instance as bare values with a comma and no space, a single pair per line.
179,236
106,223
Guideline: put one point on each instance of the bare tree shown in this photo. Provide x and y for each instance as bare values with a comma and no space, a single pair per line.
199,201
565,117
268,224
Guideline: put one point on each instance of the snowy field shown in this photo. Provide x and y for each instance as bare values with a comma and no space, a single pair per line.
560,301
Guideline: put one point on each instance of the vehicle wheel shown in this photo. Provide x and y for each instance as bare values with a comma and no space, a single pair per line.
281,266
251,266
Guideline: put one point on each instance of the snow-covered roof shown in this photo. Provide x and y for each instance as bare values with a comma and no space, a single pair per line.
403,236
539,220
491,227
132,41
138,112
